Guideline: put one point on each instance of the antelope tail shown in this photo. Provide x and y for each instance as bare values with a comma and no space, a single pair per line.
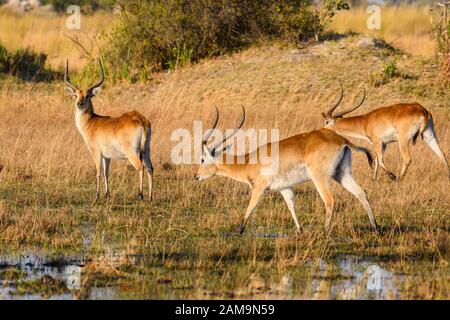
369,155
145,140
423,126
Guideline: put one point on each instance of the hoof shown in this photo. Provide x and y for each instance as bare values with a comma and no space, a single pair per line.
376,230
240,230
392,176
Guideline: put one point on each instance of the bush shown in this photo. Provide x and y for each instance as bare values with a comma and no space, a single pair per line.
440,33
3,59
61,5
25,64
165,34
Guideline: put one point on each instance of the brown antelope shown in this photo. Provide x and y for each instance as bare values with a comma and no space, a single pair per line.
124,137
319,155
402,122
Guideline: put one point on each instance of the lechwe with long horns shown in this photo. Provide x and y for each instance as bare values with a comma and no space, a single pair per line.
319,155
402,122
124,137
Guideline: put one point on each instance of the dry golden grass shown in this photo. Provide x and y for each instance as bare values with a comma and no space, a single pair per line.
42,149
47,182
47,32
404,27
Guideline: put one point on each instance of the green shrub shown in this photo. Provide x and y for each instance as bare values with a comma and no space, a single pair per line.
61,5
166,34
390,69
388,72
25,64
3,59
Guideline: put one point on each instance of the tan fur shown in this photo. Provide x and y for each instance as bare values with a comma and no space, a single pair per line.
402,122
323,156
123,137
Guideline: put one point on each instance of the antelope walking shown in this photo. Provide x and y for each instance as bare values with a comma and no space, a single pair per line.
319,155
124,137
402,122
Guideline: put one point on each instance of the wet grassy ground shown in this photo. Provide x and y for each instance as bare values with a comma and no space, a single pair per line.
56,244
180,245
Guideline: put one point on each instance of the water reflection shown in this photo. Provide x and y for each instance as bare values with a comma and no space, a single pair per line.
344,278
67,270
354,278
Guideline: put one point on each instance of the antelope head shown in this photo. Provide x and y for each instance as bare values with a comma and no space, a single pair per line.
208,166
83,97
330,118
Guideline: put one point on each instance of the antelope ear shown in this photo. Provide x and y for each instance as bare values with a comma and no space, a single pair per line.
70,91
96,91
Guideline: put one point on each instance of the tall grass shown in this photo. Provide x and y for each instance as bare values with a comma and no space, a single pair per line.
47,32
47,177
405,27
41,147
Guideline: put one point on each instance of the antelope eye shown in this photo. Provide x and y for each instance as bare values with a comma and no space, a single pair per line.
203,160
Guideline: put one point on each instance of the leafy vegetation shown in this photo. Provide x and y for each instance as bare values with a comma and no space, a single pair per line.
440,33
165,34
61,5
25,64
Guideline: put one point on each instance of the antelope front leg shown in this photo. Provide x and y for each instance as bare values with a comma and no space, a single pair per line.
98,168
289,196
254,199
106,162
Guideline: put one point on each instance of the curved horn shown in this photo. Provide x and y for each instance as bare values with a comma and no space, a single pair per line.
66,77
342,113
216,145
102,78
210,131
330,111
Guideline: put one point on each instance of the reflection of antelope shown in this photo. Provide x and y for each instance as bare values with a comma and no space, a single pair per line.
124,137
319,156
402,122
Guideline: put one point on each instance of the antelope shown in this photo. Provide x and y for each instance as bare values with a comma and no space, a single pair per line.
401,122
318,156
107,138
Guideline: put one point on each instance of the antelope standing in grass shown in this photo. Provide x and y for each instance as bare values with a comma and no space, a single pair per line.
124,137
319,155
402,122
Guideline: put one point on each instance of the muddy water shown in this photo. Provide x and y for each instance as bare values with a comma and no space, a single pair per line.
357,279
66,271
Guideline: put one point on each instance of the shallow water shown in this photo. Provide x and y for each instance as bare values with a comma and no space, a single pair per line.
347,277
35,267
360,279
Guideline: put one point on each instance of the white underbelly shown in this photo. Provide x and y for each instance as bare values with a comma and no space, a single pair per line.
113,152
389,135
289,179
